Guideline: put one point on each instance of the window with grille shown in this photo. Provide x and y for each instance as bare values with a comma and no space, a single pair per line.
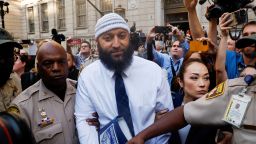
61,14
106,6
31,22
44,17
81,13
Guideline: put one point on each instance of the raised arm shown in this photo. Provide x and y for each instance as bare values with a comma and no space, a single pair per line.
159,58
194,24
212,33
221,73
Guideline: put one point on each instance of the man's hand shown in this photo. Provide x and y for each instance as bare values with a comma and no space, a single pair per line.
94,121
225,20
151,35
227,138
160,114
136,140
190,4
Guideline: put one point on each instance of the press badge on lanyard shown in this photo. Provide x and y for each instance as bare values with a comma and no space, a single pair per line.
237,108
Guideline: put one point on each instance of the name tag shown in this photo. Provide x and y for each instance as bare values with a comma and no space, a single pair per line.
236,109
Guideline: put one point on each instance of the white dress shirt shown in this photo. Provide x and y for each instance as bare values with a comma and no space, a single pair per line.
184,133
147,89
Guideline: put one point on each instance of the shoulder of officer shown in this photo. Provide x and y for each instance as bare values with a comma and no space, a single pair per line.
242,81
72,82
236,82
232,85
12,86
27,94
225,86
16,83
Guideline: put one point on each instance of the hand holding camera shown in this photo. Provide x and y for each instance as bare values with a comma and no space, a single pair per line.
175,31
221,6
151,35
163,29
225,21
230,20
238,17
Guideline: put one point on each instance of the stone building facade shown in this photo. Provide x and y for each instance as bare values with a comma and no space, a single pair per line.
34,19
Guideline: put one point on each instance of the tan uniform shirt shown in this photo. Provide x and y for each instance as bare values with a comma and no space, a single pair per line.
38,99
210,109
9,91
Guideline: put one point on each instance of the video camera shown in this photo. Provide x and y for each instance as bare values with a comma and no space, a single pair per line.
163,29
137,39
221,6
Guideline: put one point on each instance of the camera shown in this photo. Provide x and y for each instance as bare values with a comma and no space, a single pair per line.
137,39
163,29
238,17
221,6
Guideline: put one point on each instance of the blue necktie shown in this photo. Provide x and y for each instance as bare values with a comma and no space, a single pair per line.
122,102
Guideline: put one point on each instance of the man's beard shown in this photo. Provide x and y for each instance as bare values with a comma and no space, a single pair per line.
250,55
116,65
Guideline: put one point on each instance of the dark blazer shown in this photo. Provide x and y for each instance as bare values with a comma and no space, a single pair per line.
28,79
73,73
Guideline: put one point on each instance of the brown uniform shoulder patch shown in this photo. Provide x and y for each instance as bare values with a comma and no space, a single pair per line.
13,109
217,91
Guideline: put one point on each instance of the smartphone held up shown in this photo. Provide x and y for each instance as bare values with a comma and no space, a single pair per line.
197,45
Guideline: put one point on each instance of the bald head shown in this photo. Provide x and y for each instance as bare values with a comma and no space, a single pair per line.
52,63
49,47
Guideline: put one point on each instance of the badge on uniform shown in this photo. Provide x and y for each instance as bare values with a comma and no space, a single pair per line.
45,121
217,91
13,109
236,109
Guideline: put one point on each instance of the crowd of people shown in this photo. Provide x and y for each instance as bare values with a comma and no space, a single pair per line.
164,92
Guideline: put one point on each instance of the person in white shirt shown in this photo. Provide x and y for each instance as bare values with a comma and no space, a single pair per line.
146,86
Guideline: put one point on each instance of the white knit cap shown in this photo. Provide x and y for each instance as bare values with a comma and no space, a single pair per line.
108,22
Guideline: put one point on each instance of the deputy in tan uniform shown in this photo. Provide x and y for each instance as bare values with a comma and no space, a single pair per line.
9,91
232,102
10,85
48,105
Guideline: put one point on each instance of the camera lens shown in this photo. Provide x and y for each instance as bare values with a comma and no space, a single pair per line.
243,12
216,11
202,2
